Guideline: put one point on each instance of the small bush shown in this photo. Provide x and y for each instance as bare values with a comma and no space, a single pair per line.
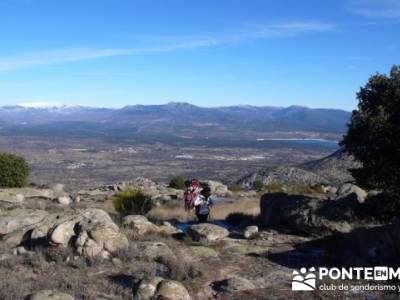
274,187
132,201
301,189
234,188
14,171
178,182
319,188
258,185
178,269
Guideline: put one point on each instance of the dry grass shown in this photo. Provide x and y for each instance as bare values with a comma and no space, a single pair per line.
247,206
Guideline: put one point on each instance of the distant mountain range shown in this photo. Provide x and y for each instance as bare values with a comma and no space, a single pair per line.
181,120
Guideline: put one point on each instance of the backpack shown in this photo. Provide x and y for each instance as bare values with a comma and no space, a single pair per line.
191,193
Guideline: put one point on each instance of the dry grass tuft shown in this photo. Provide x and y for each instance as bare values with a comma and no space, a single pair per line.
220,211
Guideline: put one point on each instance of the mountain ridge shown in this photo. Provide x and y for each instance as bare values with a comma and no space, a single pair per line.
185,119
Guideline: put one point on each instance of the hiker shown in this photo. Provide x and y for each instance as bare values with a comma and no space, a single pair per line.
202,204
192,192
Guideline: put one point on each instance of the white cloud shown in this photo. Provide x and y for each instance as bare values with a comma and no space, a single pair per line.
41,104
375,8
165,43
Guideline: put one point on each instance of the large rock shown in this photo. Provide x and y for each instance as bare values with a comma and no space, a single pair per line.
110,238
207,232
349,189
308,215
140,226
11,196
362,247
50,295
62,233
218,188
12,220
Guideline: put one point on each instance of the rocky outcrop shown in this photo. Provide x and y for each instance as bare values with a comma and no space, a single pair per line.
331,170
50,295
15,219
218,188
92,231
309,215
334,168
17,195
288,176
207,232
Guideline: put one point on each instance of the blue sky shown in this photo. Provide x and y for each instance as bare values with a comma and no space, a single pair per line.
113,53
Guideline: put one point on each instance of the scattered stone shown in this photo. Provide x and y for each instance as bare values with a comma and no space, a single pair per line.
50,295
64,200
207,232
77,199
250,232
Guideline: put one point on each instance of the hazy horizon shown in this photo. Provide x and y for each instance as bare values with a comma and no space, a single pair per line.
44,105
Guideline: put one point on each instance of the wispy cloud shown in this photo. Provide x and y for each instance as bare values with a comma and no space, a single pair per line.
380,9
40,104
165,43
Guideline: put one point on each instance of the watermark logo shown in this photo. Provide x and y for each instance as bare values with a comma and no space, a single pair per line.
304,280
